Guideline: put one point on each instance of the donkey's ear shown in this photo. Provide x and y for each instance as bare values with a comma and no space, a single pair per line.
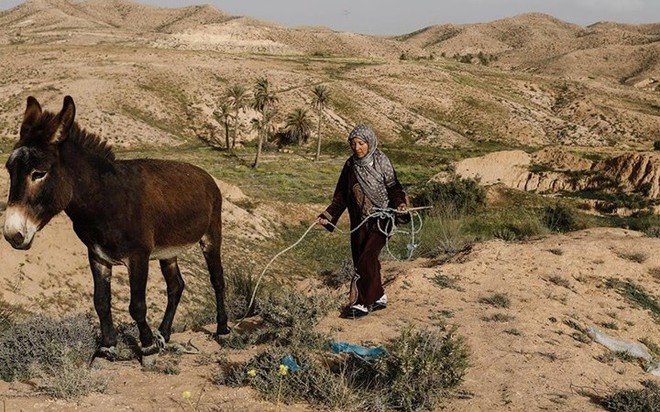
32,111
64,121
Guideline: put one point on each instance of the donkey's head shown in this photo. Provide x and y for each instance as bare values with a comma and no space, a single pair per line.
39,186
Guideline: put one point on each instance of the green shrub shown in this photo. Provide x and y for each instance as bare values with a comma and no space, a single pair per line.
444,232
464,195
419,368
510,224
561,218
656,145
288,319
313,383
416,371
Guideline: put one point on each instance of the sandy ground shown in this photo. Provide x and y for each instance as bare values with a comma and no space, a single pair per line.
529,362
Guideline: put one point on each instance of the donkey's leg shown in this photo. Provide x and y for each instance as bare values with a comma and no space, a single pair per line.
211,248
138,270
175,286
102,274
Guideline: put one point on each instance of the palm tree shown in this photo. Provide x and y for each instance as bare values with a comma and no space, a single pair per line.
319,103
224,114
264,103
298,125
237,97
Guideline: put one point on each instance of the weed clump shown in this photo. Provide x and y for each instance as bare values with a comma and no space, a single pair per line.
417,370
561,218
634,400
499,300
55,350
465,195
287,319
419,367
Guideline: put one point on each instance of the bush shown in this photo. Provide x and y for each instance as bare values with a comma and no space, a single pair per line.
416,371
56,350
419,367
634,400
465,195
561,218
656,145
313,382
510,224
288,319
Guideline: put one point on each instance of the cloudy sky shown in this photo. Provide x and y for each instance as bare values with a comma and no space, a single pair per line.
389,17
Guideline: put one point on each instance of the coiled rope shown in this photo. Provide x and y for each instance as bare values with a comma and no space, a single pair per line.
382,214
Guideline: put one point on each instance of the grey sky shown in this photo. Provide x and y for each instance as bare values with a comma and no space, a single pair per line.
389,17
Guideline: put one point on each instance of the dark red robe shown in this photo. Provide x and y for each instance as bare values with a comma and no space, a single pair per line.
366,242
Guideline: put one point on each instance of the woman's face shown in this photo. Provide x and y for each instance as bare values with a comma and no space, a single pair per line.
360,147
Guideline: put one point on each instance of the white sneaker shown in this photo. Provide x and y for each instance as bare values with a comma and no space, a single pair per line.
381,303
357,310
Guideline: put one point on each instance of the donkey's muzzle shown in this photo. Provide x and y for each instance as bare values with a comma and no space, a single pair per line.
17,240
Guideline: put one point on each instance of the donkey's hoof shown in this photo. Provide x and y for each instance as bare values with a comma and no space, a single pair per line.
108,352
223,330
149,360
150,350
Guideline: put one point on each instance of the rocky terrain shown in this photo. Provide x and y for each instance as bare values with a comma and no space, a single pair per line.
576,106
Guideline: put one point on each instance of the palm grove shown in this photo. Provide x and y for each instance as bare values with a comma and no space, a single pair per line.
263,101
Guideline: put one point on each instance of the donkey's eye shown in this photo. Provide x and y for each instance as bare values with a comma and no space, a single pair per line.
38,175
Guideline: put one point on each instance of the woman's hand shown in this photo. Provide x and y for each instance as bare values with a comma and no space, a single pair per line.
402,208
322,221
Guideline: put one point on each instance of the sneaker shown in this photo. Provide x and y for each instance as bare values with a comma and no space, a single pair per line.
357,311
380,303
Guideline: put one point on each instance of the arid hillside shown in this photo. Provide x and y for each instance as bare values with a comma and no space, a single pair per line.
148,75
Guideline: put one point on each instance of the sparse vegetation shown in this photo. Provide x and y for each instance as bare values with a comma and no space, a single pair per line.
498,300
417,370
498,317
463,195
561,218
636,295
560,281
56,351
446,282
645,399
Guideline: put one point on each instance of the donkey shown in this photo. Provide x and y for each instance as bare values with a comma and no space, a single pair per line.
125,211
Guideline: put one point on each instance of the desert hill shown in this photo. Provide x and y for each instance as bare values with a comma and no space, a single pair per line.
525,80
543,44
47,15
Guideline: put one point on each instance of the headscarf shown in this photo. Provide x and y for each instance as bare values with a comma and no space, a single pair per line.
374,171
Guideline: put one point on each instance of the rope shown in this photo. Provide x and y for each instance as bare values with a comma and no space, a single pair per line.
256,286
380,213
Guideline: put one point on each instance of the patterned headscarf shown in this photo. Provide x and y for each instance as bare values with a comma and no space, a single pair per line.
374,172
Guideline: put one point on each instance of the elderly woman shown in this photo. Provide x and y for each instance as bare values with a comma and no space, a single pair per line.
367,180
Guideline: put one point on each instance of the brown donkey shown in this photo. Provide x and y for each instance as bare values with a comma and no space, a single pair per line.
125,211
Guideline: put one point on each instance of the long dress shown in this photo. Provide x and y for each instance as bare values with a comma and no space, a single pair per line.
366,242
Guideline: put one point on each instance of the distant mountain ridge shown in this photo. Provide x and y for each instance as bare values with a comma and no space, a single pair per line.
531,41
529,79
111,14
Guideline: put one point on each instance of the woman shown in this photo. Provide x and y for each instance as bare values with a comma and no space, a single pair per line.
367,180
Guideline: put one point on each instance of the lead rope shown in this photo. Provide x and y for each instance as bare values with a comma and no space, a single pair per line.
388,214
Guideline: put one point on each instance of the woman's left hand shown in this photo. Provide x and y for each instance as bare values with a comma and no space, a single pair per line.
402,207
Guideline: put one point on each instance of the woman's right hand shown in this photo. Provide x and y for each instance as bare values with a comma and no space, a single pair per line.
322,221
